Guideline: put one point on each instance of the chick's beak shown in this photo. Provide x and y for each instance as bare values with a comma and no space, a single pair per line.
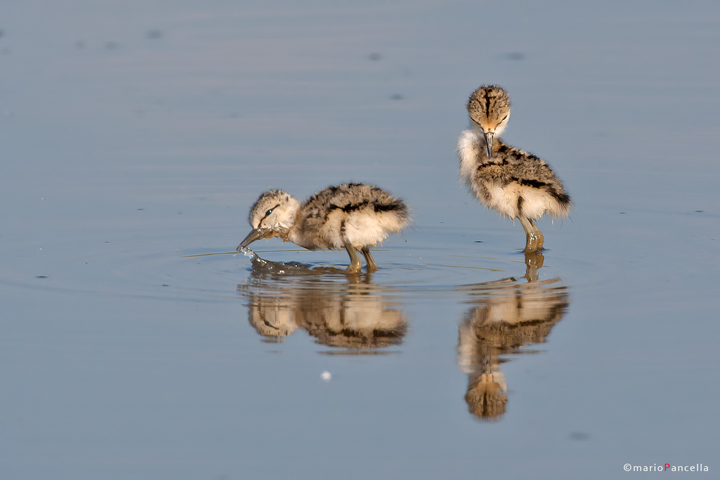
488,142
255,234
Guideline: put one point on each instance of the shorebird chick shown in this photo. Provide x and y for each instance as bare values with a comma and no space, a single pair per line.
352,216
513,182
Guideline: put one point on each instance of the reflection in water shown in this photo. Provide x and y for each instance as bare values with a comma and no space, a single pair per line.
339,310
506,316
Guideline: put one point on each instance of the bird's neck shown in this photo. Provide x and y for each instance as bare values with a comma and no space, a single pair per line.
472,151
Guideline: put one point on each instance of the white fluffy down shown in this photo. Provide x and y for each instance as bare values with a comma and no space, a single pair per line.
365,229
362,228
535,202
468,150
504,199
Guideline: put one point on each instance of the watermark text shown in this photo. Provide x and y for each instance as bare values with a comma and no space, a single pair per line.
665,467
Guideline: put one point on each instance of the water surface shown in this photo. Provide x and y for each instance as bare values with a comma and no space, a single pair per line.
136,135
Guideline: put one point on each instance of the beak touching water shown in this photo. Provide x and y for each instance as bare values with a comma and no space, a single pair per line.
256,234
488,142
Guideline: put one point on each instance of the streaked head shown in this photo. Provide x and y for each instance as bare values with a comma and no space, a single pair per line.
489,109
272,215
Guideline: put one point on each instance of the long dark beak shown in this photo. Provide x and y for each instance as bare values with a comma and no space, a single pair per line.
488,142
256,234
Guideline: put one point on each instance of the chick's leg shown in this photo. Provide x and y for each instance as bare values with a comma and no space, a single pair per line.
370,264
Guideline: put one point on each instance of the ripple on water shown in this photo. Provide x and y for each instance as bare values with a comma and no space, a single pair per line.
150,265
506,307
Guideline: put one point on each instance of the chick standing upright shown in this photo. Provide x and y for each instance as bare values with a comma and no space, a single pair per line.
513,182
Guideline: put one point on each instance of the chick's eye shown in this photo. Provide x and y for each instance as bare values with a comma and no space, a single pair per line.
268,212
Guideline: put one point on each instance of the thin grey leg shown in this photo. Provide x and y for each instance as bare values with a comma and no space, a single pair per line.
539,239
533,237
370,264
355,263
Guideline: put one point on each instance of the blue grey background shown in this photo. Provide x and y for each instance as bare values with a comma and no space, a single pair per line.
134,134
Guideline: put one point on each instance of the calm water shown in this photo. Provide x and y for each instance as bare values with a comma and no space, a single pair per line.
136,135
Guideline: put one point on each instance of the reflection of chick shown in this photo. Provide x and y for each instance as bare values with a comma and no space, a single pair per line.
504,320
487,392
337,315
272,317
352,320
487,396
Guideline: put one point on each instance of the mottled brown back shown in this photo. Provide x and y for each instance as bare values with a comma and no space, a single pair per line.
348,198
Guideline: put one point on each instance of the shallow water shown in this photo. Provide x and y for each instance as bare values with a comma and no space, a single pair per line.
135,344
